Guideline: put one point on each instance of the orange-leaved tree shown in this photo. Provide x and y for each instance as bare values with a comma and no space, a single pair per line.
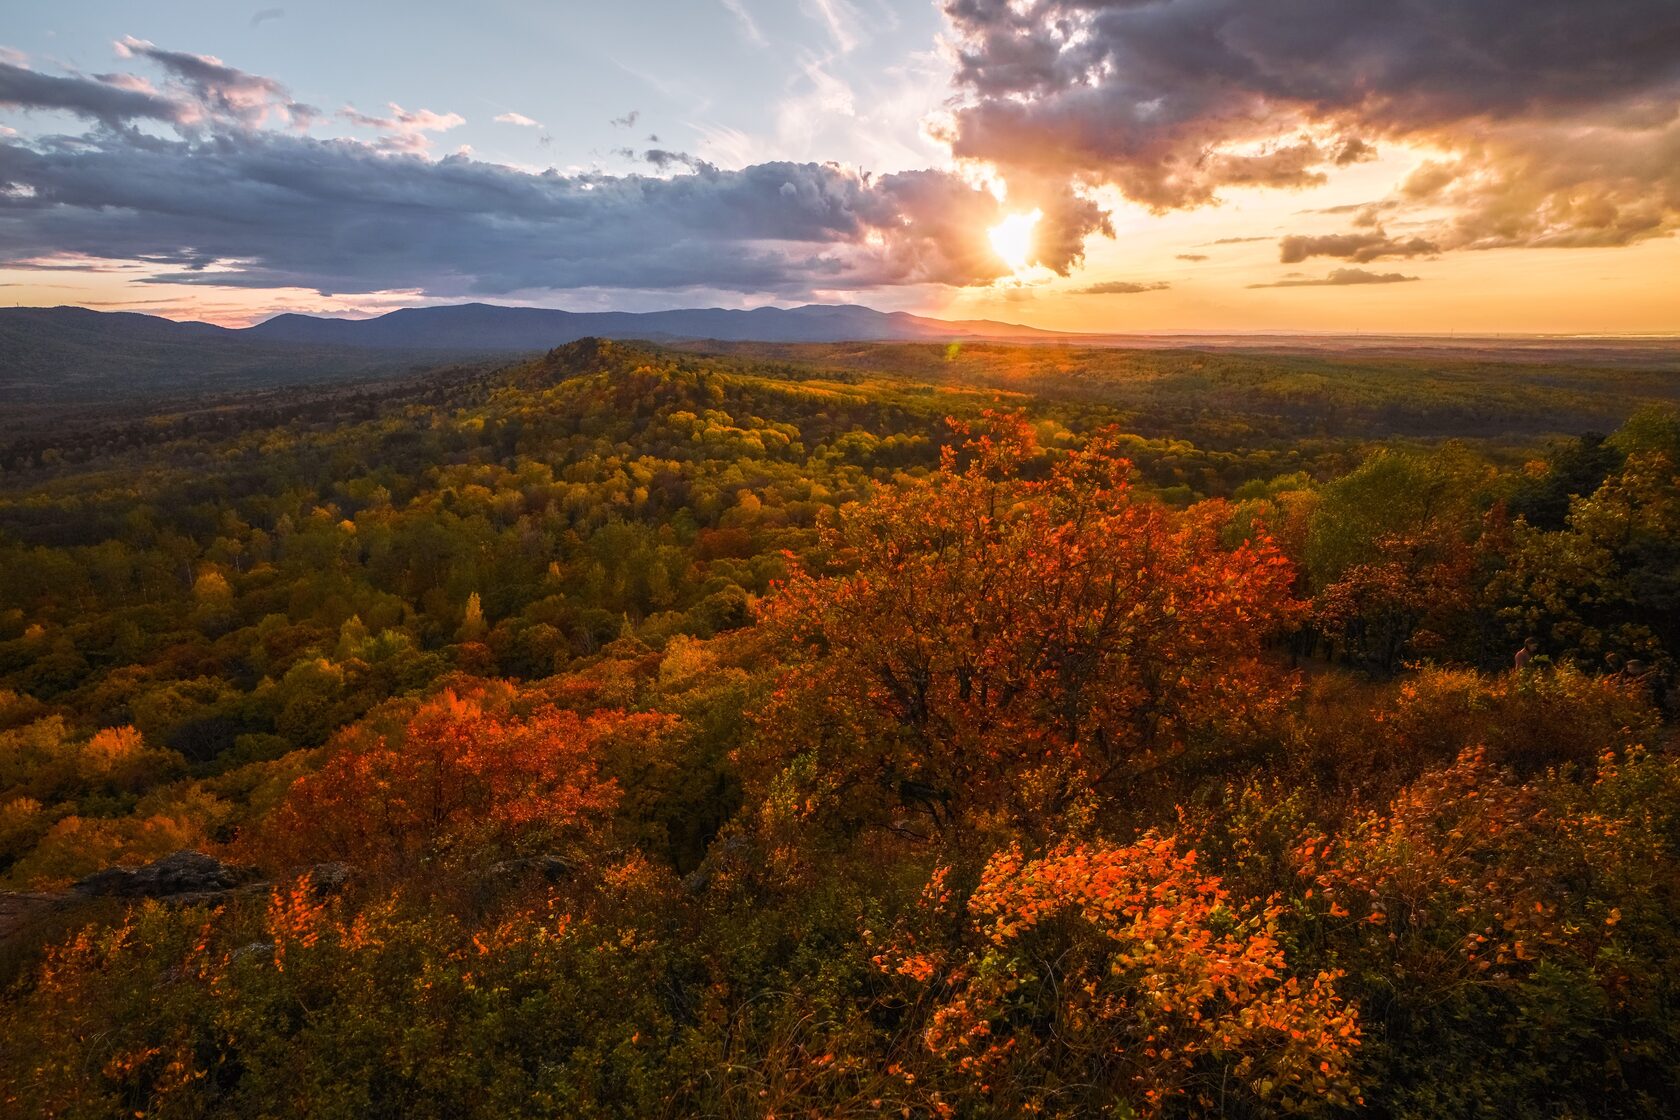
461,777
1103,980
1528,920
1015,634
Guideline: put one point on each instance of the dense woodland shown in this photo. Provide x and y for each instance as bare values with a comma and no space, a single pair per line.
855,731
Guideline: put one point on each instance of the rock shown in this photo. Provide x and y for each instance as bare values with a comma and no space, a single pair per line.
728,850
329,878
186,878
508,868
552,867
184,872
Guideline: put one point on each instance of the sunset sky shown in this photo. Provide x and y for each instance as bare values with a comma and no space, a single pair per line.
1107,165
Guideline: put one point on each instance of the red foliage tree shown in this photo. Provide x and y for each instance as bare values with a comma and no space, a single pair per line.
1098,977
460,776
1004,642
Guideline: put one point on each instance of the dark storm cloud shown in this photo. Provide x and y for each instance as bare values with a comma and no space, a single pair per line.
1122,288
1342,277
1555,107
269,208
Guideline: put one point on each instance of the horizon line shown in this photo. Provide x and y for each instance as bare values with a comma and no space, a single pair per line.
1164,332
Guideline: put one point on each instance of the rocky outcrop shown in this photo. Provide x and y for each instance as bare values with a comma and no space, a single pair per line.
728,851
329,878
183,878
180,873
554,868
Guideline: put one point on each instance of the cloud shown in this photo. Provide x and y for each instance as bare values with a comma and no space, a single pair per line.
749,26
1366,214
263,15
229,200
1561,120
78,264
1356,247
225,91
1121,288
1286,165
1192,256
404,130
840,19
109,102
628,120
1352,149
263,208
664,160
1342,277
1559,185
199,92
519,119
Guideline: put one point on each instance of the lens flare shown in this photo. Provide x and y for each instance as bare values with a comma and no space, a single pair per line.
1012,239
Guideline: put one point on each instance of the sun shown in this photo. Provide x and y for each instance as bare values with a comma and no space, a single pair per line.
1012,239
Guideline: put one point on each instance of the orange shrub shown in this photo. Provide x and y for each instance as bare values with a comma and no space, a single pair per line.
1108,976
459,778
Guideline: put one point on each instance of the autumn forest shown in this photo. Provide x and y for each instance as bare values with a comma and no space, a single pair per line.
849,730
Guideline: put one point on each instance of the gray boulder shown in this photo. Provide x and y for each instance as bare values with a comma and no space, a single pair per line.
185,872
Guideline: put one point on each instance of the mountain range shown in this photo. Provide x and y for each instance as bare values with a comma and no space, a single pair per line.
482,326
56,356
53,355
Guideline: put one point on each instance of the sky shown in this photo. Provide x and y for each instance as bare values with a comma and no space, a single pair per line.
1466,166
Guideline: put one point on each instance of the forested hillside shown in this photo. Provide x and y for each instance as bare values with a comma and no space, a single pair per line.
909,730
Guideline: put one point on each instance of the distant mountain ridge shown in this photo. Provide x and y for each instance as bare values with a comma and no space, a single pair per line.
482,326
73,355
58,356
66,355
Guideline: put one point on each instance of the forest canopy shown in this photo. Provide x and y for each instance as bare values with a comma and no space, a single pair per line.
840,731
